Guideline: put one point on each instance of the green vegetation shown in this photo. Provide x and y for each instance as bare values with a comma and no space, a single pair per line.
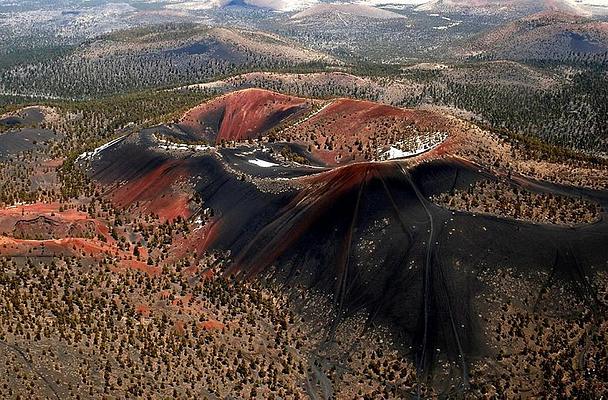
93,123
24,56
573,115
546,151
83,126
146,58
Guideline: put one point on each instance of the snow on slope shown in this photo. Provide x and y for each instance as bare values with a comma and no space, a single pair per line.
262,163
91,154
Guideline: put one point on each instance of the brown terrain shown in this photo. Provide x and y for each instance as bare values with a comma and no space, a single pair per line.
163,191
231,42
547,33
335,132
139,302
498,198
347,131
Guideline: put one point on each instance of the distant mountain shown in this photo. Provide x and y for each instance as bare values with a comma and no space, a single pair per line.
277,5
547,35
578,7
373,8
358,10
201,42
481,6
238,3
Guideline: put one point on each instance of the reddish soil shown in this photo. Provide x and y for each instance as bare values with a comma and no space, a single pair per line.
349,131
42,208
45,221
182,301
212,325
143,309
197,241
207,234
42,230
242,115
129,263
158,192
53,163
92,248
179,327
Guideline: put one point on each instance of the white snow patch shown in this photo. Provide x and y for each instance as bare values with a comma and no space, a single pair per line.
414,147
395,153
262,163
453,24
168,145
90,154
199,222
246,153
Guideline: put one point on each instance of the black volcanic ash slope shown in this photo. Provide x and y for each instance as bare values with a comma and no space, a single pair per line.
367,236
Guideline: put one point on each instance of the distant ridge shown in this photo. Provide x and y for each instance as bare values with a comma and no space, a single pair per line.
504,6
358,10
545,35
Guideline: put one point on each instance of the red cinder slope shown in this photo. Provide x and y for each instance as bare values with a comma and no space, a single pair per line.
303,211
242,115
351,130
162,191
